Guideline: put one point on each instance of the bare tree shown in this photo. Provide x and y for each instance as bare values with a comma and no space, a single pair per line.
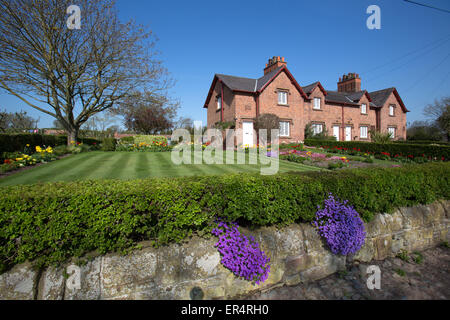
439,112
73,74
17,121
145,112
267,121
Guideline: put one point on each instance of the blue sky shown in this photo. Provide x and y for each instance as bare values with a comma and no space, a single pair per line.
320,40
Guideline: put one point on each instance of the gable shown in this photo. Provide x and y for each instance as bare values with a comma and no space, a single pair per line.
291,78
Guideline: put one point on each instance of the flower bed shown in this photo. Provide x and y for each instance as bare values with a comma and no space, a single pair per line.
319,159
27,158
143,144
405,152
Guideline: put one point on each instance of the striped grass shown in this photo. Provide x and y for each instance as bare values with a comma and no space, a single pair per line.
131,165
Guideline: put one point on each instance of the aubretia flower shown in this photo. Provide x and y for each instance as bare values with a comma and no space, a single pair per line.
240,254
341,226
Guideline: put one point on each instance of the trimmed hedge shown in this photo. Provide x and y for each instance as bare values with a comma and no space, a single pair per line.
49,223
404,149
444,143
16,142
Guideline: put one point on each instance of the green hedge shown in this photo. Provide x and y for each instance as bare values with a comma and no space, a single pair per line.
444,143
16,142
404,149
49,223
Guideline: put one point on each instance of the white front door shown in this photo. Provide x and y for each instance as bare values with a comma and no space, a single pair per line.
247,128
348,133
336,130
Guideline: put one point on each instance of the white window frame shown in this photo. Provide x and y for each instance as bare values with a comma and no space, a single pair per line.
219,103
364,132
316,126
392,110
285,129
281,95
364,108
393,131
317,102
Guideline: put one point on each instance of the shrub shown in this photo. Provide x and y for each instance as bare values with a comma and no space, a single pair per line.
129,139
293,158
341,226
51,222
380,137
108,144
60,150
309,133
240,254
335,165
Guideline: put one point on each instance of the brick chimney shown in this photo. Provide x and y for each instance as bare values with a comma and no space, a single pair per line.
274,63
349,83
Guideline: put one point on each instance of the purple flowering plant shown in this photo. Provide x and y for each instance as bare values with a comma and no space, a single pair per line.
341,226
240,254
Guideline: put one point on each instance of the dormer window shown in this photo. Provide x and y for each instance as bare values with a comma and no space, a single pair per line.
364,108
391,110
219,102
316,104
282,97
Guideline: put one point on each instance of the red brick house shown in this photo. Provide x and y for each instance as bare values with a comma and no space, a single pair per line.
348,113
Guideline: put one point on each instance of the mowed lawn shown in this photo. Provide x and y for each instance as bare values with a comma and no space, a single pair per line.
130,165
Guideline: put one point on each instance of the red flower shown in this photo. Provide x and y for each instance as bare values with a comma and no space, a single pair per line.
8,161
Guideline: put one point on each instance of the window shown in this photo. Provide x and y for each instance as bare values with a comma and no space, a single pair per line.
317,128
391,130
363,132
316,103
282,97
219,102
391,110
284,129
364,108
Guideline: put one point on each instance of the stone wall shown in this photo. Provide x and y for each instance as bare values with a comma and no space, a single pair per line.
193,269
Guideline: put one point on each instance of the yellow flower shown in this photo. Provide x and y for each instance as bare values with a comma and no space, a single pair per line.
19,159
38,149
343,158
28,145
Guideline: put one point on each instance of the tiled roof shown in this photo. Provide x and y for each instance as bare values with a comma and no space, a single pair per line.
379,97
310,87
247,84
238,83
339,97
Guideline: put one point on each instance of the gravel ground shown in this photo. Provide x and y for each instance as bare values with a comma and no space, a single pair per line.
425,275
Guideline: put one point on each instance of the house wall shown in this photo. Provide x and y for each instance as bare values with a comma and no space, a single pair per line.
329,114
398,120
292,112
214,114
354,116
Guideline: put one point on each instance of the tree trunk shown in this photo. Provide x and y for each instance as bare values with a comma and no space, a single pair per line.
72,136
